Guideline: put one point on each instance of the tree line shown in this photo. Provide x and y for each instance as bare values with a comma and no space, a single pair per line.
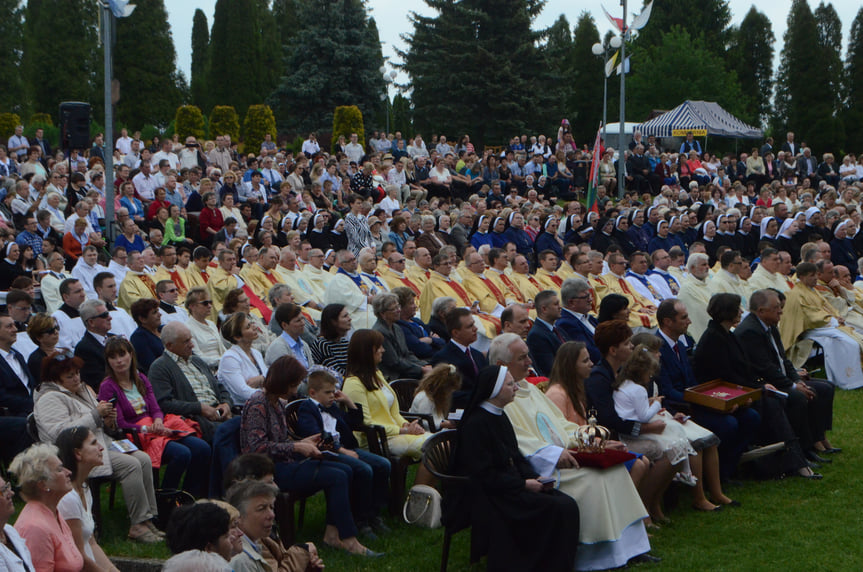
474,66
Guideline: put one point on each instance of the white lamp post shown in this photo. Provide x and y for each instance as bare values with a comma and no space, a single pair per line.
599,49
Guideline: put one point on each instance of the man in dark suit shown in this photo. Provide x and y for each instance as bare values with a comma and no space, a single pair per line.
40,141
767,147
183,384
807,166
228,232
91,348
574,320
790,146
809,405
735,430
458,352
544,337
16,393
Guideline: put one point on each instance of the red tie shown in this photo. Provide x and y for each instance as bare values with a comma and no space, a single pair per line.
558,334
473,363
677,351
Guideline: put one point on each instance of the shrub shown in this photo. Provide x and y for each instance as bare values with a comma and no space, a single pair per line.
51,132
348,119
225,121
189,121
43,118
148,132
8,123
259,121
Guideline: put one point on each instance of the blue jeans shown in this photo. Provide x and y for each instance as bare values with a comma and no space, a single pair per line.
310,475
188,455
370,489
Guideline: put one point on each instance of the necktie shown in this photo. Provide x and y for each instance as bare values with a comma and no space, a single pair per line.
472,363
677,351
558,334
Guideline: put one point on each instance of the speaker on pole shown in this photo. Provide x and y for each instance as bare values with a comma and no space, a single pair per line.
74,125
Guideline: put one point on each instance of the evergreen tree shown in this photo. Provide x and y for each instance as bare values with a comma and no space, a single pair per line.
800,102
708,18
752,59
402,115
585,91
285,16
62,60
200,45
373,39
332,63
557,53
829,29
475,68
854,85
145,66
233,64
662,77
269,49
12,32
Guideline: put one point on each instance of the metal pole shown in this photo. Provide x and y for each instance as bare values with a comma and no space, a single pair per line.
621,180
107,39
604,95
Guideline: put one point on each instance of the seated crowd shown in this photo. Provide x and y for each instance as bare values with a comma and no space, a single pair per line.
239,285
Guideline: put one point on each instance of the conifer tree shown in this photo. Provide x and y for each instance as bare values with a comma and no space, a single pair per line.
12,32
854,84
752,59
145,66
233,64
585,91
200,45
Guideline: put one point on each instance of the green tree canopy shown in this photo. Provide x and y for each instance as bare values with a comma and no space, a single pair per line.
751,57
145,66
662,76
854,84
332,62
259,121
189,121
61,60
476,68
708,18
225,121
584,106
200,45
12,32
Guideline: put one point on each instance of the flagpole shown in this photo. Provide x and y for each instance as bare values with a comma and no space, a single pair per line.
621,161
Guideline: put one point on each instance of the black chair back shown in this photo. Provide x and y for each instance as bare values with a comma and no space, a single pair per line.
292,413
437,455
404,390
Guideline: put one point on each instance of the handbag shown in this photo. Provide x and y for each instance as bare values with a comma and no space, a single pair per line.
422,507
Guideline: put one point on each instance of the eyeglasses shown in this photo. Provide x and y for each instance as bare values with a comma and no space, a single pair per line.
206,302
53,330
103,315
64,356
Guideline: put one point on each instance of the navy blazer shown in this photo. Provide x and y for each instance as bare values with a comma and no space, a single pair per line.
452,355
543,344
413,330
13,395
148,346
675,375
575,330
310,422
93,353
600,396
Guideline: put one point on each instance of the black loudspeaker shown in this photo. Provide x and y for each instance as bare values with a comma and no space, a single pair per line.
74,125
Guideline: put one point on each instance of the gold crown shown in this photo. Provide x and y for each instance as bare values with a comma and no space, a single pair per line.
591,438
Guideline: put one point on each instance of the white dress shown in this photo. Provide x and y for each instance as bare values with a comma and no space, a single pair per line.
208,341
423,404
631,404
71,508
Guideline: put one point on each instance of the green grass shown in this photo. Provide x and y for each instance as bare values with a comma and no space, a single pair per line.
787,525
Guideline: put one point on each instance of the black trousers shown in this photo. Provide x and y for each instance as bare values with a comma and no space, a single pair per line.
811,419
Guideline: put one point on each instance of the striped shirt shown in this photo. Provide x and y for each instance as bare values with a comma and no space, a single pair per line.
332,354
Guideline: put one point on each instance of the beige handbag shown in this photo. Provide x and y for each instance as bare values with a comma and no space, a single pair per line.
422,507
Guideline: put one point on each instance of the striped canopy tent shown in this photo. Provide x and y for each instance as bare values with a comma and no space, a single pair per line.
702,118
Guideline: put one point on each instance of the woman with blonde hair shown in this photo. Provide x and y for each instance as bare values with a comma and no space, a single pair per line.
434,395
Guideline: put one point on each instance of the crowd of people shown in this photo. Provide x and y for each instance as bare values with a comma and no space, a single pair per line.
228,285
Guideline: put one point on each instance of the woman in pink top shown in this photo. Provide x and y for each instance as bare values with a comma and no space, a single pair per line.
44,481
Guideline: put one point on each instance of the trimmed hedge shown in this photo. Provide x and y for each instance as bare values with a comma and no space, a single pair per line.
259,121
347,119
225,121
8,123
189,121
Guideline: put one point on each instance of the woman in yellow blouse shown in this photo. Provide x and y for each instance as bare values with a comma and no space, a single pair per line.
366,386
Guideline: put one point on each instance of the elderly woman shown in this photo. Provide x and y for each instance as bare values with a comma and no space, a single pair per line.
44,481
238,301
130,202
366,386
331,348
210,220
242,368
209,344
265,430
255,501
80,452
75,240
398,361
62,401
13,550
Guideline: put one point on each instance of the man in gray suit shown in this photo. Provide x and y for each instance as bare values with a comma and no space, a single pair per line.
184,385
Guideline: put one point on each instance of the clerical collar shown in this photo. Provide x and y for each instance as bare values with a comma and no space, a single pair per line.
169,308
619,277
70,311
733,276
491,408
396,272
496,270
636,274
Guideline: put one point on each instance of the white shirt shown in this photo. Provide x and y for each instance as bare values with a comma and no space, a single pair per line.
329,420
118,270
85,274
122,323
311,147
181,315
16,367
145,185
71,330
208,341
631,403
235,368
171,157
657,279
124,145
355,152
188,158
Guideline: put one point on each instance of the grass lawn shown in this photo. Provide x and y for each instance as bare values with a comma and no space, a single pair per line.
786,525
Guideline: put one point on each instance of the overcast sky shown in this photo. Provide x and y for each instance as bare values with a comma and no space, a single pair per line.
392,19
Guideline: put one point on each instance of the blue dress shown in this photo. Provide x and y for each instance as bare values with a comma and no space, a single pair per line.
498,239
546,241
522,240
480,238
